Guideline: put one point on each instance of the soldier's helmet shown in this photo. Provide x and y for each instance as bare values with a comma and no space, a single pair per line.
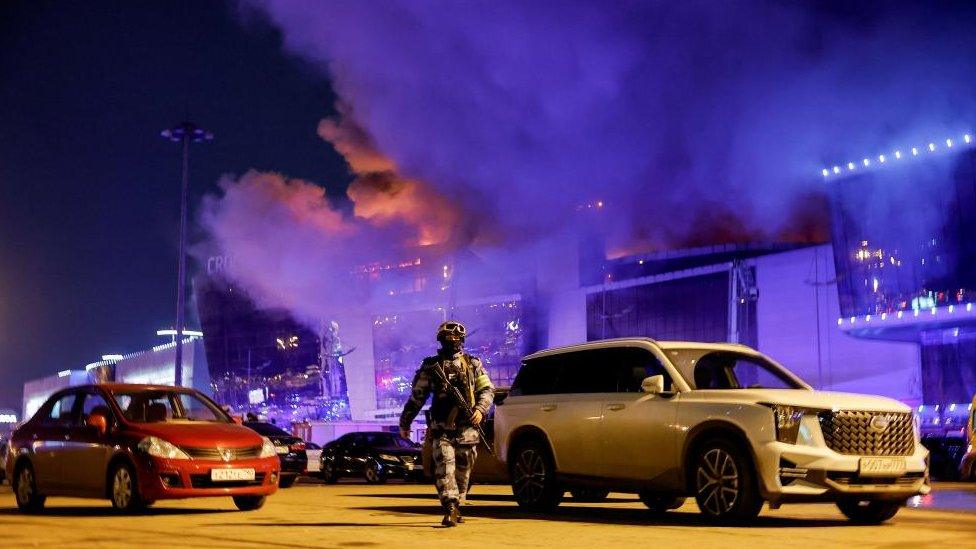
451,330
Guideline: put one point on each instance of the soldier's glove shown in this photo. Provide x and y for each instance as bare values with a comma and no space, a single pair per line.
476,417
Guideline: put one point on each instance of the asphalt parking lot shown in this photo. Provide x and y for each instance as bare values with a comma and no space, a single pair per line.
406,515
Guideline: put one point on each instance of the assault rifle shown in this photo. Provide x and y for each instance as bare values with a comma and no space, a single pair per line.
462,404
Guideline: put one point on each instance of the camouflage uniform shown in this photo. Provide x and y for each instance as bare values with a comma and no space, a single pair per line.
455,440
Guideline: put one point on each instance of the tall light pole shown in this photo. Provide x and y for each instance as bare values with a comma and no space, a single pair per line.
185,133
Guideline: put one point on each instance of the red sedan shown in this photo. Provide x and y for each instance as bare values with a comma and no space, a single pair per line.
135,444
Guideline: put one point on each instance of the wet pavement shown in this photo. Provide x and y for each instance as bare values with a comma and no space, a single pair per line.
347,515
948,496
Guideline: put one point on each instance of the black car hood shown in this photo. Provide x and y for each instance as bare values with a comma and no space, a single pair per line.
397,451
284,441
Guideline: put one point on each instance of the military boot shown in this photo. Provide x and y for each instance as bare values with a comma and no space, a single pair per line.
451,514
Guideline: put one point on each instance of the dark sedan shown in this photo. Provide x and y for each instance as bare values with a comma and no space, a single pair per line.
375,456
290,449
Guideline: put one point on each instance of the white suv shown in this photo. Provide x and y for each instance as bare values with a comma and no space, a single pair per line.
719,422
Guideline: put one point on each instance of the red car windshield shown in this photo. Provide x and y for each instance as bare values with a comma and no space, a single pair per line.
160,405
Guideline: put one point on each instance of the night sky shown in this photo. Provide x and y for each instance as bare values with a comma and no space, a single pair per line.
501,117
90,192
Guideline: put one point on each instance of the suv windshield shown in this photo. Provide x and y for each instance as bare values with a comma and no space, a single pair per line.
712,369
161,405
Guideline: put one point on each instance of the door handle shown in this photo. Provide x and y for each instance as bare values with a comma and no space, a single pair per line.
547,407
615,407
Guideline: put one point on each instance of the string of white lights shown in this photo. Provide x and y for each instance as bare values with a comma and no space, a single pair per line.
945,145
914,313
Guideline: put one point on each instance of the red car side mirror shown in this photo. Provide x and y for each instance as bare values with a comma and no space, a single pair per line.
98,421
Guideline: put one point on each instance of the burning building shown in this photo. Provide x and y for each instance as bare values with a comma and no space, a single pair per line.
263,359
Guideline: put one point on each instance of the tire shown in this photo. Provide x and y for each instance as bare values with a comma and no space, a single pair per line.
724,482
589,495
249,503
287,481
660,503
123,489
373,472
533,474
869,512
329,473
25,490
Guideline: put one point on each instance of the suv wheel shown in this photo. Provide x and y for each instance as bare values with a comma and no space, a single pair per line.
589,495
25,490
724,482
124,489
533,474
869,512
660,503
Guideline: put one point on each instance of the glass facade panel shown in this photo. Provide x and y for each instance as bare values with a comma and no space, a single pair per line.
496,334
691,309
903,236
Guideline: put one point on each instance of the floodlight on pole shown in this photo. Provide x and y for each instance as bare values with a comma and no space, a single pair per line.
185,133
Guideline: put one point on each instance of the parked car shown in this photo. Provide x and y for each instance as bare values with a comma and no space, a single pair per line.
373,455
290,450
135,444
946,453
313,454
967,465
3,460
487,468
718,422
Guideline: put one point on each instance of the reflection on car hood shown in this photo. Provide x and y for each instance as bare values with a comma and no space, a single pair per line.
827,400
398,451
201,434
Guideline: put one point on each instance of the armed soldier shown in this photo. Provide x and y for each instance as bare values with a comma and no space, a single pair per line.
463,395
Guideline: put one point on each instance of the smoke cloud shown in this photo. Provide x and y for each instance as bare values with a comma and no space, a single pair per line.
691,123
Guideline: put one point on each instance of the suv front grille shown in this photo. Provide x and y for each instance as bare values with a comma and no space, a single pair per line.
851,433
217,454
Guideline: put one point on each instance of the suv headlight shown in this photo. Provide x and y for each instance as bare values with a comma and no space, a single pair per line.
388,457
787,420
157,447
268,448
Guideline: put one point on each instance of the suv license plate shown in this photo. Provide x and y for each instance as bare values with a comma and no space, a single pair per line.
882,467
218,475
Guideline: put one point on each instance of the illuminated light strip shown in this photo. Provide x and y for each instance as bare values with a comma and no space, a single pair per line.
112,357
883,158
64,373
187,333
884,317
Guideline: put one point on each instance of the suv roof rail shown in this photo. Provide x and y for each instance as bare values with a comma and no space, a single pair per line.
596,343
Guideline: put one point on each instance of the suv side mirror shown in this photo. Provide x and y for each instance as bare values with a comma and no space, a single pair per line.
653,385
99,422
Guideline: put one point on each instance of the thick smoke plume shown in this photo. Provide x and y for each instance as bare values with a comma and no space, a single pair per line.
691,122
383,196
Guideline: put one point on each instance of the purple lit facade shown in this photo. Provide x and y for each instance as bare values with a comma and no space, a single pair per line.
906,261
